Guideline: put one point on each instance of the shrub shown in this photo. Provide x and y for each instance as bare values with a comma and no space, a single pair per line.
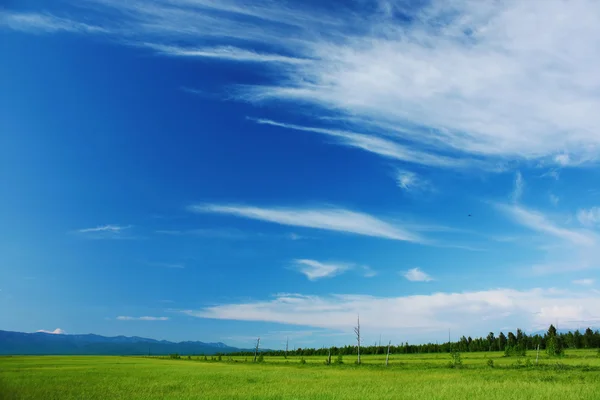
490,363
174,356
205,358
261,358
554,347
189,357
302,361
339,359
518,364
455,360
528,363
219,358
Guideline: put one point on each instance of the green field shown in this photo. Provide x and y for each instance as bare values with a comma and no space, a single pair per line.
425,376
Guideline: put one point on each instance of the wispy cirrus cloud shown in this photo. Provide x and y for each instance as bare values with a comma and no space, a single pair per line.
224,53
492,80
378,145
332,219
106,232
414,315
410,181
539,222
518,188
105,228
44,23
584,282
417,275
127,318
317,270
167,265
589,217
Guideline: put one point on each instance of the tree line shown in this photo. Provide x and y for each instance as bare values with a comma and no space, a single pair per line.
517,343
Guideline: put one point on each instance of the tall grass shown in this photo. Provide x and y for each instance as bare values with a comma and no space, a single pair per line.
426,376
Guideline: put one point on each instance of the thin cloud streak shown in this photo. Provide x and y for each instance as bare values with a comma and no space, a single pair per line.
225,53
534,308
589,217
44,23
518,189
315,270
127,318
539,222
377,145
105,228
332,219
496,80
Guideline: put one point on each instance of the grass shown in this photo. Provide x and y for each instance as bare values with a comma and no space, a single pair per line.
425,376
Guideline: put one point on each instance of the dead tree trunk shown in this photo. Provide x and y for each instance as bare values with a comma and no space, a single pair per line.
357,332
387,357
256,349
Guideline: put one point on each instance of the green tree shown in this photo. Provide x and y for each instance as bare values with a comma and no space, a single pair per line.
502,341
554,343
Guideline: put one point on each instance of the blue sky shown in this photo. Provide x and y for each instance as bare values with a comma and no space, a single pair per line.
220,170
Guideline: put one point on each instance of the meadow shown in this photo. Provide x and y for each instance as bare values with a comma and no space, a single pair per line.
416,376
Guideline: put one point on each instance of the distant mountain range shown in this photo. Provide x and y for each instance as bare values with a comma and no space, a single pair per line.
41,343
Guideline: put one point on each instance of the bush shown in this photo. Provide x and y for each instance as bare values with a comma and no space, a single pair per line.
528,363
518,364
205,358
515,351
219,358
261,358
490,363
455,360
174,356
302,361
189,357
339,359
554,347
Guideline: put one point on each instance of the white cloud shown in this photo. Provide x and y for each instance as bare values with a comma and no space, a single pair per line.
225,53
496,80
377,145
333,219
167,265
316,270
44,23
518,189
554,199
368,272
584,282
57,331
467,311
539,222
589,217
105,228
410,181
416,275
125,318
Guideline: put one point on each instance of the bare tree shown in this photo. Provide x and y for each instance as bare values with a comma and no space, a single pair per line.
287,340
387,357
329,357
357,332
256,349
